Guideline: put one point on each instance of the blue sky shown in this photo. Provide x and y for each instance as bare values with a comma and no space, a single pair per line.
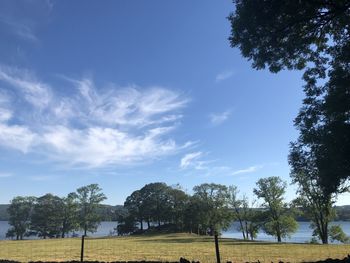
124,93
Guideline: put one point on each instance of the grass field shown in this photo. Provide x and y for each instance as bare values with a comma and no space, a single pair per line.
166,247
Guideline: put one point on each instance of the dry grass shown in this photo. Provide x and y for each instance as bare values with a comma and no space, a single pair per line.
166,247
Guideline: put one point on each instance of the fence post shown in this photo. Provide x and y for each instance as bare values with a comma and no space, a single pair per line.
82,248
217,248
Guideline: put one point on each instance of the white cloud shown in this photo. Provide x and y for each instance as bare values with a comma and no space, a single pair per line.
36,93
189,159
224,75
5,175
218,118
91,127
250,169
5,115
17,137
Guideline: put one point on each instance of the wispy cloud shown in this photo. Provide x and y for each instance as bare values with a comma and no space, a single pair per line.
219,118
19,28
190,159
5,175
25,83
91,127
224,75
250,169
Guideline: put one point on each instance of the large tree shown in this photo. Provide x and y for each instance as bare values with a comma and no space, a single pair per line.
213,201
135,207
316,204
156,202
69,214
20,211
280,223
89,199
315,36
46,220
178,201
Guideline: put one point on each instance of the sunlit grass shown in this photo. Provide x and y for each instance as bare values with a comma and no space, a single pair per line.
166,247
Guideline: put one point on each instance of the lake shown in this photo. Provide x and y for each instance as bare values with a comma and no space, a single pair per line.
304,233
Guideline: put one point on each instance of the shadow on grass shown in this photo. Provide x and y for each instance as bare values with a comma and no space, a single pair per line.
204,240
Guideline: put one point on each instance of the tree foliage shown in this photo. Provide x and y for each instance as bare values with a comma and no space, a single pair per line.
316,204
213,202
280,223
47,216
310,35
20,212
89,199
250,219
336,233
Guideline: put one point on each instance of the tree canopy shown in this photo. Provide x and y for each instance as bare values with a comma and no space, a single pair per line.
311,35
280,223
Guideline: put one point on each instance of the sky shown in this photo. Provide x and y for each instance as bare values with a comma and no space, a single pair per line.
125,93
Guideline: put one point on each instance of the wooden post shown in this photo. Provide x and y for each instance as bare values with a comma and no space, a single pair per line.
82,248
217,248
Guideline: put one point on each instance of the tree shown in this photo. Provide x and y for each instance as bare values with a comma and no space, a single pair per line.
69,214
280,223
126,225
155,198
238,206
310,35
316,203
212,199
337,234
249,218
178,201
89,199
47,216
20,211
135,207
196,216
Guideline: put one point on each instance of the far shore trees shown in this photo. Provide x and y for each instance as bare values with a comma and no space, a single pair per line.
20,211
280,223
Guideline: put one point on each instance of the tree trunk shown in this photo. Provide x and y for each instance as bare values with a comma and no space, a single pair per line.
279,239
242,227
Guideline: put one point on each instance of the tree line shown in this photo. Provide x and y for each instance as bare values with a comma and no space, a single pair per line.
212,208
50,216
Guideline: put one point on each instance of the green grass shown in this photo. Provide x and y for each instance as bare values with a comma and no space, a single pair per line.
166,247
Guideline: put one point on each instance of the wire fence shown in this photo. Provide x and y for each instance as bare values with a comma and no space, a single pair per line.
165,248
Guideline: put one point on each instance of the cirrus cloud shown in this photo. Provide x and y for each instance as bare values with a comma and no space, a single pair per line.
89,126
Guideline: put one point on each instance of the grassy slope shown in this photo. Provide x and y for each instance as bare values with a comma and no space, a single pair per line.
166,247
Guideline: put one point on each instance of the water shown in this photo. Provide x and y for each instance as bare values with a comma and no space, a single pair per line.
303,234
104,229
